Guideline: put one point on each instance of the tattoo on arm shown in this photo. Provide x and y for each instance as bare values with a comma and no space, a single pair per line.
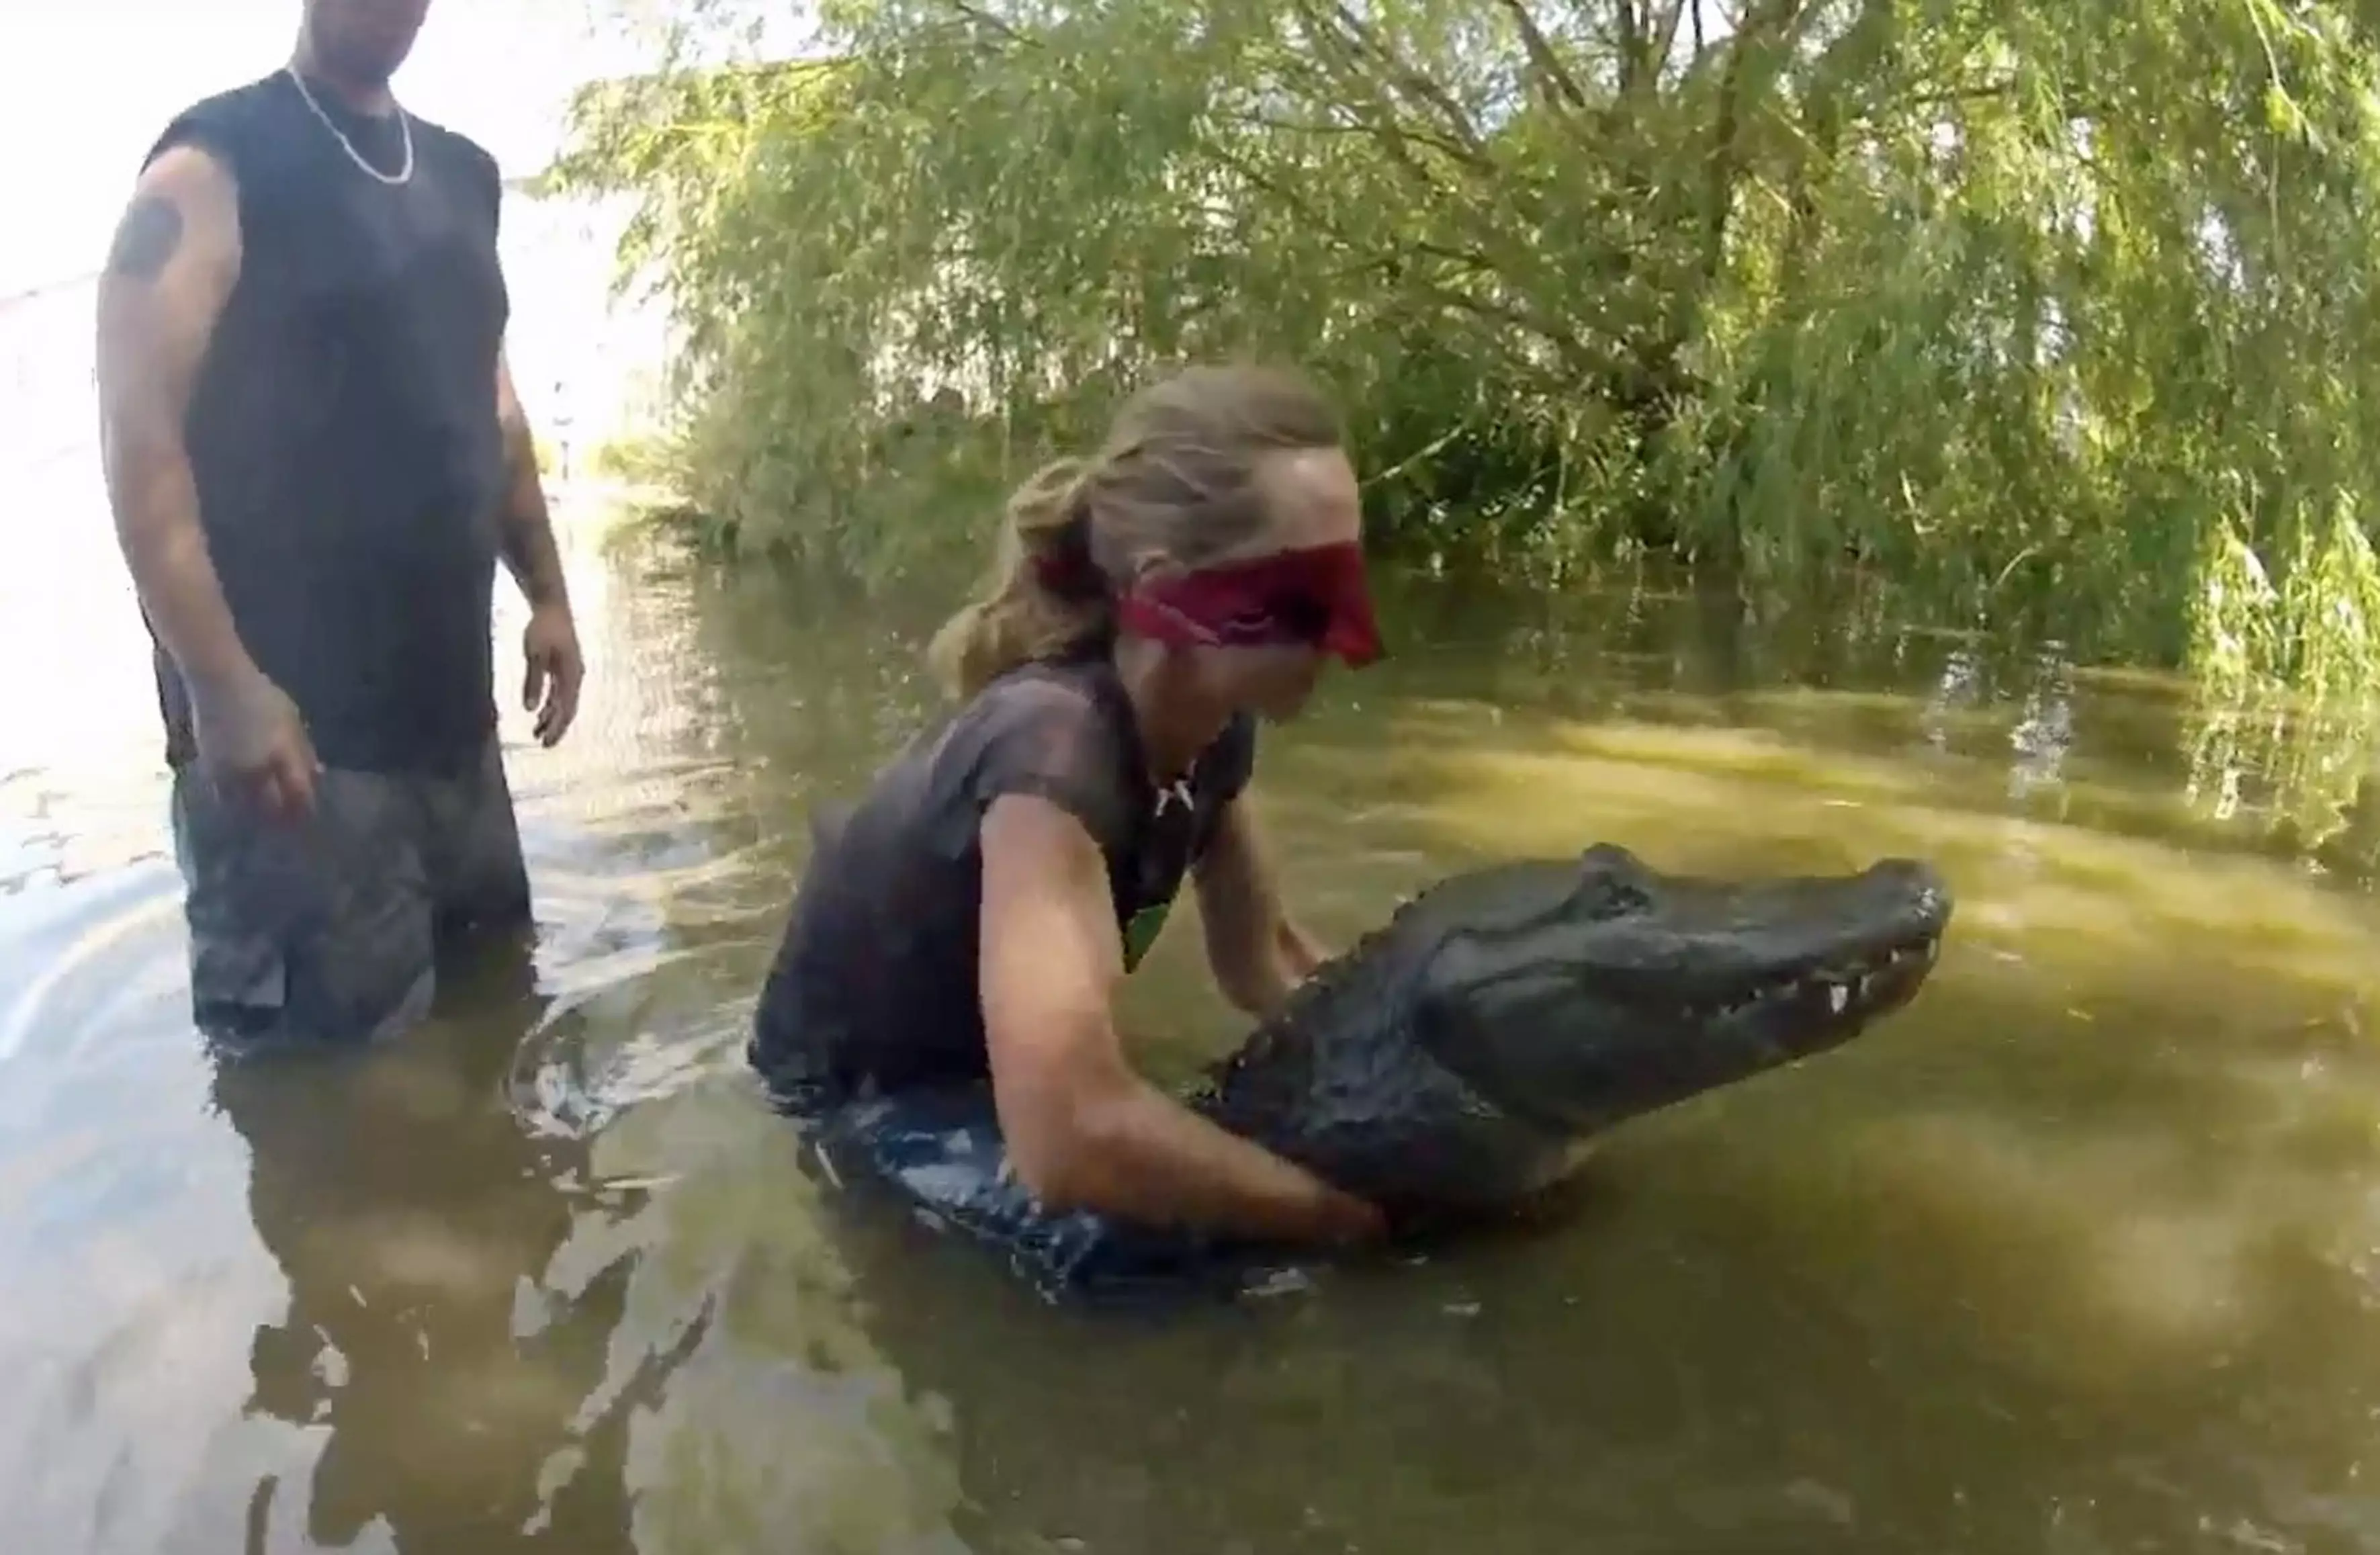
145,239
171,266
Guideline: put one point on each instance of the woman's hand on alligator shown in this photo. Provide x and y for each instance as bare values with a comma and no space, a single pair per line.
1083,1130
1351,1220
1257,951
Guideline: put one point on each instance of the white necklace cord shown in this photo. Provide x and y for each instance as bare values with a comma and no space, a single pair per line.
403,124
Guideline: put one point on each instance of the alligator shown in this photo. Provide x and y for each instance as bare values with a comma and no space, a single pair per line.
1456,1062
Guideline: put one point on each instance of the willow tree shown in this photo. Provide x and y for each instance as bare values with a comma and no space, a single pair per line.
2049,312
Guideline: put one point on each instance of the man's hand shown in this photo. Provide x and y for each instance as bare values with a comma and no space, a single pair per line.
253,746
549,647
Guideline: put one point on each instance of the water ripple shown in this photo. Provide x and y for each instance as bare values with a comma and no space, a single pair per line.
2078,1254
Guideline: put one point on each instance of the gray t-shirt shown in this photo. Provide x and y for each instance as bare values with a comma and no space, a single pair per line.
875,982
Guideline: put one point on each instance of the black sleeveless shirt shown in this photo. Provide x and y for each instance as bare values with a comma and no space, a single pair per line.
875,982
343,429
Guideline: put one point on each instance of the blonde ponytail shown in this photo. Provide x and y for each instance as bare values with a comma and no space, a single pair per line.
1014,616
1174,482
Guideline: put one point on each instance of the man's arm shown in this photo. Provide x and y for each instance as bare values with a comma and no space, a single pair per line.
552,664
530,552
170,268
1258,953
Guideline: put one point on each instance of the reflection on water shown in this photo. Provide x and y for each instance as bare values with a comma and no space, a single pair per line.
2079,1254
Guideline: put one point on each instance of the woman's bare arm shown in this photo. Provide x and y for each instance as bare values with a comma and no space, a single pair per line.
1258,953
1083,1130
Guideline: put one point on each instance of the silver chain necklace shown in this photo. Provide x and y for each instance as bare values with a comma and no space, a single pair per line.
405,126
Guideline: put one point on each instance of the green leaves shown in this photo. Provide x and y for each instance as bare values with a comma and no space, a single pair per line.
2043,312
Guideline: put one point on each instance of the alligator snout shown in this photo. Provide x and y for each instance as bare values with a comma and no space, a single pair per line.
1651,988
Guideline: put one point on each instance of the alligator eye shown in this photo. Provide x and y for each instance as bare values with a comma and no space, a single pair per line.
1607,897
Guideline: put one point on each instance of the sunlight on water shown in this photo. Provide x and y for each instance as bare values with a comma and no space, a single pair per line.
70,628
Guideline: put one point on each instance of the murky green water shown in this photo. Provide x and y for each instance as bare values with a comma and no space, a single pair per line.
2077,1254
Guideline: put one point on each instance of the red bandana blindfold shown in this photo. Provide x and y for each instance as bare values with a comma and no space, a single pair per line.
1315,597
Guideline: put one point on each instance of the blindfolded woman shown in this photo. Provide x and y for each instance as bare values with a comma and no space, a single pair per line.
970,918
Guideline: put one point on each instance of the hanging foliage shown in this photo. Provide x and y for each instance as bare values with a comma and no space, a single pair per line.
2057,316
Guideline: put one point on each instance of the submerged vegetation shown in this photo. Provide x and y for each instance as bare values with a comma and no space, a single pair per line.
2051,320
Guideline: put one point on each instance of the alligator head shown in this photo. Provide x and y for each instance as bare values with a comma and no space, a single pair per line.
1577,993
1459,1058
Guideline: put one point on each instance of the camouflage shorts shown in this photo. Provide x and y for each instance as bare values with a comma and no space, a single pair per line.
332,930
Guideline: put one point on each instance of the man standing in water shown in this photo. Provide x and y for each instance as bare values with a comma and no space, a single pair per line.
316,460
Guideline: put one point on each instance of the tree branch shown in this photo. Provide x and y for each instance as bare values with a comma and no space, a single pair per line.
1553,80
1354,37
